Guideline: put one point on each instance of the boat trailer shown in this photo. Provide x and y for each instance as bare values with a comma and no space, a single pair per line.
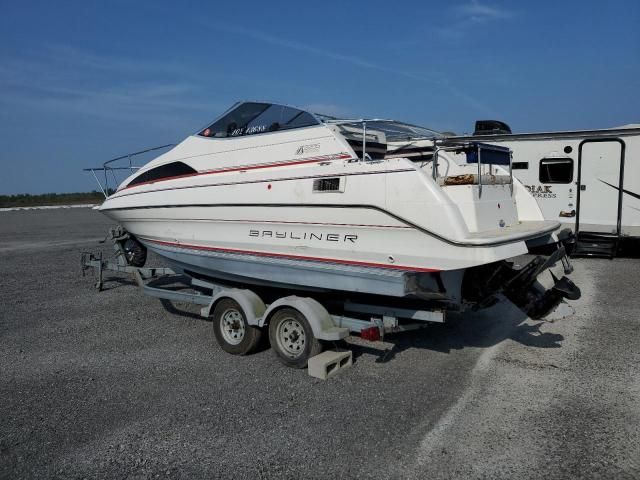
295,324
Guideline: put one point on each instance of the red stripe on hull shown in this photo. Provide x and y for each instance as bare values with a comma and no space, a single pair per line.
293,257
285,222
240,169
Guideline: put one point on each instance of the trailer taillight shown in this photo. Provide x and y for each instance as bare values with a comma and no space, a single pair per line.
372,334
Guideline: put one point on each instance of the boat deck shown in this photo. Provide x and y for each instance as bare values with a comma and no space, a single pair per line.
521,231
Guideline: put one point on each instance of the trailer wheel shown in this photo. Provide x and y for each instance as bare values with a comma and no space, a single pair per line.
292,338
231,329
134,252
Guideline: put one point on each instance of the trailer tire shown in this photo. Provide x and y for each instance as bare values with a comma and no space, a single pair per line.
134,252
231,329
292,339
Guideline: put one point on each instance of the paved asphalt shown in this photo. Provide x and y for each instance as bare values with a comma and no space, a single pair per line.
118,385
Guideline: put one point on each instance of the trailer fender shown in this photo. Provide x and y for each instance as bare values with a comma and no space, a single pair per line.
252,305
321,322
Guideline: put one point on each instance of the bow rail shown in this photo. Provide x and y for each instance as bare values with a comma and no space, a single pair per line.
108,170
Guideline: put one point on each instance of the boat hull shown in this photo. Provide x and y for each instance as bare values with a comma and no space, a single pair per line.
306,274
334,247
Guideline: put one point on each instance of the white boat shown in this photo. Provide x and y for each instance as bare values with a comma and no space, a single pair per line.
588,180
273,195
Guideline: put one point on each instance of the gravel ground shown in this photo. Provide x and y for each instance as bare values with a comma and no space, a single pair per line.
115,384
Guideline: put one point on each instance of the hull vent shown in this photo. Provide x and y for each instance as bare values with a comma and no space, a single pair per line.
326,185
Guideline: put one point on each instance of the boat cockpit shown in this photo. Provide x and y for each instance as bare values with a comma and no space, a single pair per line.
372,139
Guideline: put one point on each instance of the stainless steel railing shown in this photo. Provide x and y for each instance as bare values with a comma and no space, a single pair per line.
108,169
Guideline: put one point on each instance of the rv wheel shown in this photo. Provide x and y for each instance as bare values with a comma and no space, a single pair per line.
134,252
231,329
292,339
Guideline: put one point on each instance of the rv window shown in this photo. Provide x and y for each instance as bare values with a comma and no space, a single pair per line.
556,170
163,172
520,165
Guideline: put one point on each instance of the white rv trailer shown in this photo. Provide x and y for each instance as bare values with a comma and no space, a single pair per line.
588,180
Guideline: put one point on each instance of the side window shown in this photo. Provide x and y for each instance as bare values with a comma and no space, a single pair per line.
163,172
520,165
556,170
301,119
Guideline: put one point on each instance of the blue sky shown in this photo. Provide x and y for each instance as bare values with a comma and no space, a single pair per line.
82,82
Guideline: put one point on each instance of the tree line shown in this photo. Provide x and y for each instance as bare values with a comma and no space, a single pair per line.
28,200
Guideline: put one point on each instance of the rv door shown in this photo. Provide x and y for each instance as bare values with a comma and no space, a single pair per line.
600,174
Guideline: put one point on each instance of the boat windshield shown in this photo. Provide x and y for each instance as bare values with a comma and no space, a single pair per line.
250,118
399,132
393,131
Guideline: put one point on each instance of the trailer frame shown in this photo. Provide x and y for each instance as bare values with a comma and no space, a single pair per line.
325,326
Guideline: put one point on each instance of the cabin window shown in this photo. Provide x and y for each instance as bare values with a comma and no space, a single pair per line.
520,165
254,118
163,172
556,170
